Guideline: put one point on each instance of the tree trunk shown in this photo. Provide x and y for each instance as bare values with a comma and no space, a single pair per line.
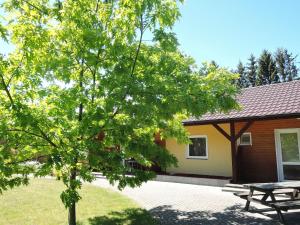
72,208
72,214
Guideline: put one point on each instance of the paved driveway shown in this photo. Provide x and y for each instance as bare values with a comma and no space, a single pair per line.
186,204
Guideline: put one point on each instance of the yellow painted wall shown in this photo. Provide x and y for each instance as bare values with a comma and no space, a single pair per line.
219,153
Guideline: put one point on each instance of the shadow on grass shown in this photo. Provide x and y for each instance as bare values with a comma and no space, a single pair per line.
130,216
168,216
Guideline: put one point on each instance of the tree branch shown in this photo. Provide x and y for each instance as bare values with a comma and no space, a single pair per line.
97,6
47,138
24,160
14,72
25,131
36,7
142,29
43,136
139,46
81,89
94,75
7,90
13,105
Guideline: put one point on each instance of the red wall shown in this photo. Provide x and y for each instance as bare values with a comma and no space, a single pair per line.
257,163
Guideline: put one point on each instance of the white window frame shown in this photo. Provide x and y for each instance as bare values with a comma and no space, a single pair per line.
280,163
206,149
246,144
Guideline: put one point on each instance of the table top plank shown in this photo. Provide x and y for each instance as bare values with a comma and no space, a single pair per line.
274,186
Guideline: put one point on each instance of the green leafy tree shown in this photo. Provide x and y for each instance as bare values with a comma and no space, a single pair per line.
84,91
3,33
267,72
251,70
13,170
207,67
214,63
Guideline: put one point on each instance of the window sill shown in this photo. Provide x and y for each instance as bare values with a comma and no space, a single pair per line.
201,158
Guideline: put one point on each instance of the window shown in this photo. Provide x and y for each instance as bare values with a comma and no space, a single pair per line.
197,149
246,139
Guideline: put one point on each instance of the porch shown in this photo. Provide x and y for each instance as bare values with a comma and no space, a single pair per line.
273,153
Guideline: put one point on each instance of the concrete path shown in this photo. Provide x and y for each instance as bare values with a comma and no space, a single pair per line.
186,204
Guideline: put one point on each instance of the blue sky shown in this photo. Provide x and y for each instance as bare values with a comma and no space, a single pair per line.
230,30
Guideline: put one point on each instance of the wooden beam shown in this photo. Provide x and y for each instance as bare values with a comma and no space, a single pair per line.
220,129
246,126
233,138
233,152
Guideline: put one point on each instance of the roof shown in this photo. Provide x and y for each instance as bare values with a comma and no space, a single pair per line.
279,100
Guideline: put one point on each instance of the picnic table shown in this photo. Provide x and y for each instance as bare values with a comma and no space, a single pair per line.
289,192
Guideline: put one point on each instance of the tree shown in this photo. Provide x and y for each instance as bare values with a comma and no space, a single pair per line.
293,75
88,93
269,68
286,65
252,70
13,171
280,57
272,68
214,63
267,72
208,67
243,79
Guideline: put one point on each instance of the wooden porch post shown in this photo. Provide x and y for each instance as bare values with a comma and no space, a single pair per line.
233,152
233,138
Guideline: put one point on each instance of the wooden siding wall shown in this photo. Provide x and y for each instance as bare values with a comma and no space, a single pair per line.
257,163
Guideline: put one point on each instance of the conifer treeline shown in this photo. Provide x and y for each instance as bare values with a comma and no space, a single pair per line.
281,66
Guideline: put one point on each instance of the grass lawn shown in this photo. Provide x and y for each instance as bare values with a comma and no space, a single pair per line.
39,204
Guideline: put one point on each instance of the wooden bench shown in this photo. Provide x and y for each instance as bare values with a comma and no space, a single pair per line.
285,206
288,193
262,197
245,194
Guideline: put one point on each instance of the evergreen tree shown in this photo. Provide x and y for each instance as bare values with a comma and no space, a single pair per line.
268,68
243,80
281,63
267,72
252,70
291,68
286,66
294,72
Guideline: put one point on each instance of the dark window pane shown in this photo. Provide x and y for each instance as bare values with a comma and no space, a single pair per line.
245,139
197,147
291,172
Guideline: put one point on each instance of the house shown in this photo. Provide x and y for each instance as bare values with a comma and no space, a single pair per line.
259,143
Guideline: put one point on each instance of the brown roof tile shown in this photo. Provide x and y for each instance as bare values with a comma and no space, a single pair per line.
275,100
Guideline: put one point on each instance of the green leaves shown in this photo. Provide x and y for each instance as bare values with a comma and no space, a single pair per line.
3,33
89,93
69,196
167,41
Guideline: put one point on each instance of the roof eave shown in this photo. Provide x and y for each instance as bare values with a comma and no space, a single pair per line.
243,119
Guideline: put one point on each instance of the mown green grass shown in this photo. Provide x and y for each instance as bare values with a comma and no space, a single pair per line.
39,204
